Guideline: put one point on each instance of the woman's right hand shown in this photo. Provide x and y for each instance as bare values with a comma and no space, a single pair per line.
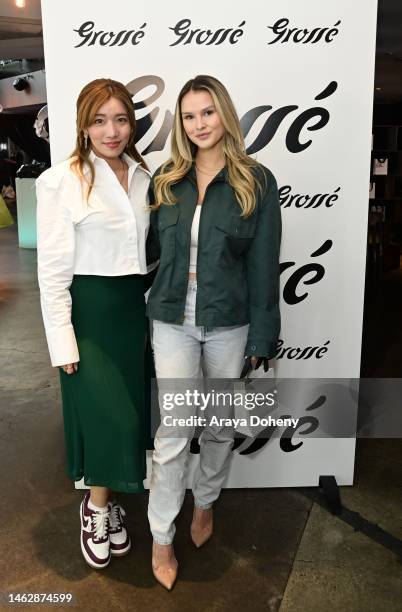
70,368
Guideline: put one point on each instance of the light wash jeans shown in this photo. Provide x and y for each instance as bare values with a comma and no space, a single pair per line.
187,352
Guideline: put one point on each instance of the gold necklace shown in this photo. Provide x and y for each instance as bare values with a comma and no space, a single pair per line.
209,173
125,169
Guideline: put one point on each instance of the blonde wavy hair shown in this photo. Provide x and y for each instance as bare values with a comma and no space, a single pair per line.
89,101
239,165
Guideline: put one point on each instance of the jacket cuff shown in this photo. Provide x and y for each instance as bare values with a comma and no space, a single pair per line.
261,348
62,345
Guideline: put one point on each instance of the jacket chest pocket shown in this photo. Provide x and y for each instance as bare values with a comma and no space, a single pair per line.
167,227
235,235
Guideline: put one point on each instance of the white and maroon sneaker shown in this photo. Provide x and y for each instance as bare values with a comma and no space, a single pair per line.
95,542
120,542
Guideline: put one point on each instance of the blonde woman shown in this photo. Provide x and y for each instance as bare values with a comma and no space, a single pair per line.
92,227
216,294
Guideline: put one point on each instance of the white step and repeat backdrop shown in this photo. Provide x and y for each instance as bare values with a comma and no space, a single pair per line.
301,76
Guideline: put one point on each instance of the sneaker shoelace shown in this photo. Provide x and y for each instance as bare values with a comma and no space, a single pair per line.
115,520
100,525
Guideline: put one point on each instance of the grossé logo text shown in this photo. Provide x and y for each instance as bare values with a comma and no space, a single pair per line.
89,36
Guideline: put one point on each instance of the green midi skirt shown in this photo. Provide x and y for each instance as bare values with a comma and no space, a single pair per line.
103,403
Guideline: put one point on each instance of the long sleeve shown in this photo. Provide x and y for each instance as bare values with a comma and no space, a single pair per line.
262,262
56,250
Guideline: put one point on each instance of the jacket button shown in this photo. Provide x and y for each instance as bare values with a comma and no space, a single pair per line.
253,347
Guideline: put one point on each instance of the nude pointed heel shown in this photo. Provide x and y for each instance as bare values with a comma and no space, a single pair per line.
201,535
165,573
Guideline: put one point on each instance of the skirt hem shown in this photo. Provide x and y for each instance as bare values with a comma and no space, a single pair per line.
95,481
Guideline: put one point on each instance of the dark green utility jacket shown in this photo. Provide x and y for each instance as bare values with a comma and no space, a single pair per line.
237,261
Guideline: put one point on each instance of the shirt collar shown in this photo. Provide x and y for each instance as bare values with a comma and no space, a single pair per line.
131,163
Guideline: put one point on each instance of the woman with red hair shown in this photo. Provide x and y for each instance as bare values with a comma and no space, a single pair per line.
92,227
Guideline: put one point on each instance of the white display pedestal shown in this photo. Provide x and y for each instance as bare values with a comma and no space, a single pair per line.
26,212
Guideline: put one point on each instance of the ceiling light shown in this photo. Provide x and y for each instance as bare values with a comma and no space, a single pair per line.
20,84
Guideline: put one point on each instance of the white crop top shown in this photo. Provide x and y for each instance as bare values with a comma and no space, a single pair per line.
194,239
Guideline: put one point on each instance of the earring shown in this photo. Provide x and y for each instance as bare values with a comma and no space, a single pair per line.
85,140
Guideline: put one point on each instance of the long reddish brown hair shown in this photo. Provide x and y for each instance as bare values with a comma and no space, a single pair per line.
91,98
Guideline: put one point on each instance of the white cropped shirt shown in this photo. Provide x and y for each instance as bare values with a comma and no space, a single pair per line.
195,228
104,237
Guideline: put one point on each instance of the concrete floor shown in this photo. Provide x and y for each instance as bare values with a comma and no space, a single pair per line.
290,555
